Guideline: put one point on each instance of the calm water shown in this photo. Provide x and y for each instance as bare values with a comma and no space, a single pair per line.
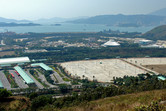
66,27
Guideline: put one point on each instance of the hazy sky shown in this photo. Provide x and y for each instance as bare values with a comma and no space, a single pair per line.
35,9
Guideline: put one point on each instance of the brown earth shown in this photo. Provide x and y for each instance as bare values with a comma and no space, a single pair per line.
158,68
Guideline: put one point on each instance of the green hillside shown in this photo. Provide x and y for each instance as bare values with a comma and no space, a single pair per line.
158,33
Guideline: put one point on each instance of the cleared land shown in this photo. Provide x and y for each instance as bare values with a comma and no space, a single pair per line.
154,64
147,61
102,70
158,68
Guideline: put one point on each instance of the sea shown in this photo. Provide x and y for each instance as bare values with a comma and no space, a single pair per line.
69,27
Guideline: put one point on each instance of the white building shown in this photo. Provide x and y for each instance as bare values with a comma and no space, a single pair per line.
16,60
111,43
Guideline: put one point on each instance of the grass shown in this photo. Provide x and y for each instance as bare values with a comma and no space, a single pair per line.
61,74
15,103
10,79
36,77
120,103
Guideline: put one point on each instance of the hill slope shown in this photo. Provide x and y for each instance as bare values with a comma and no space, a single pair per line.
14,103
120,103
158,33
12,20
161,12
124,20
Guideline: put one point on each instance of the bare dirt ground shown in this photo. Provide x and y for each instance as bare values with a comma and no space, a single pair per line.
158,68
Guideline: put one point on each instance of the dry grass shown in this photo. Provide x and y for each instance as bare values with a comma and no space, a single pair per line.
15,104
121,103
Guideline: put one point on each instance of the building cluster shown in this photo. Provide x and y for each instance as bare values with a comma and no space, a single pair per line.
15,63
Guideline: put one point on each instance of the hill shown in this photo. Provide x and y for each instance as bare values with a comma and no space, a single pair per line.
12,20
14,103
3,24
161,12
123,20
118,103
158,33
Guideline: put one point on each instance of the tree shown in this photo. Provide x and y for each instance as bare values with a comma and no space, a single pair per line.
4,93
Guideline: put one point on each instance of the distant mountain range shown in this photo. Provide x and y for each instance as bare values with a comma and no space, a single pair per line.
124,20
57,20
155,18
4,24
161,12
13,20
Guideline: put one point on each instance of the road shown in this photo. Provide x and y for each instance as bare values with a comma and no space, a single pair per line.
58,77
19,80
40,86
4,81
43,79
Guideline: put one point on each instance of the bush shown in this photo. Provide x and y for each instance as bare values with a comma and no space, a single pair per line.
4,93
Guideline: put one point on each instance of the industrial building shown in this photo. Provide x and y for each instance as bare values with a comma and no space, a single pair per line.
24,75
16,60
44,66
1,85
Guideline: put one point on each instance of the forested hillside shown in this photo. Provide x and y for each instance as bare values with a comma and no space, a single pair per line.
158,33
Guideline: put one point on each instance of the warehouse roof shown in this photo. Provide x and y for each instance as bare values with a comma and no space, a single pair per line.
14,60
1,85
24,75
44,66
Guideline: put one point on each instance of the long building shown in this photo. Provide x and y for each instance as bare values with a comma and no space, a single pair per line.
1,85
44,66
16,60
24,75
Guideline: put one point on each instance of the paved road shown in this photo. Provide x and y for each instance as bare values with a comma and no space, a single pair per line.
40,86
43,79
4,81
19,80
59,78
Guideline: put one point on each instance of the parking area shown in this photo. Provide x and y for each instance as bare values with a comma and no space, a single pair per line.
4,81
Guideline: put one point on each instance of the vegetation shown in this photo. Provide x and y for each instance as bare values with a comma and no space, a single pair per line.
4,93
158,33
10,79
73,53
35,75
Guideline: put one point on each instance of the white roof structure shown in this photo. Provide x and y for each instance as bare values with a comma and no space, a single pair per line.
14,60
111,43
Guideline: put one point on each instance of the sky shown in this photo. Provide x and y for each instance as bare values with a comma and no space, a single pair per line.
36,9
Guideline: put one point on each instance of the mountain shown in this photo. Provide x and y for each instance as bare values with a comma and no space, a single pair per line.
158,33
56,20
13,24
161,12
123,20
12,20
